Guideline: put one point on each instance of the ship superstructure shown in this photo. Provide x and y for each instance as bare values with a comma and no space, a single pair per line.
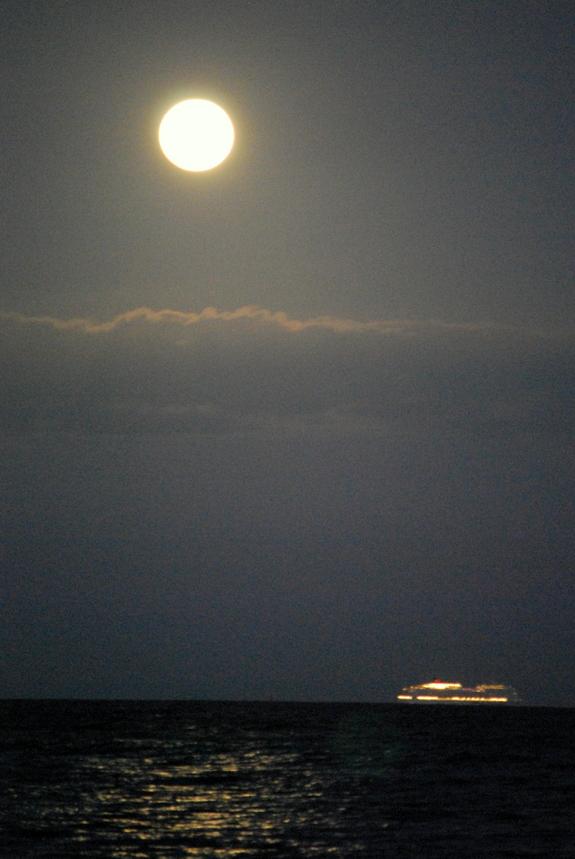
447,692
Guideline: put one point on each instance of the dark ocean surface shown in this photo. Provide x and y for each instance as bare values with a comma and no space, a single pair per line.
205,779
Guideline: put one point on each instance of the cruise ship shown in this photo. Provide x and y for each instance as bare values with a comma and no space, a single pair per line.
442,692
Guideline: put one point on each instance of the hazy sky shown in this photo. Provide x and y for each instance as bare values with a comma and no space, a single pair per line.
302,426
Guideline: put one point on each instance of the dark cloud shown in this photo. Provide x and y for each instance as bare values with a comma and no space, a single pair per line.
253,370
245,506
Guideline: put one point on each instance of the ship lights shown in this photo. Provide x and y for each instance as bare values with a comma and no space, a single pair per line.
444,692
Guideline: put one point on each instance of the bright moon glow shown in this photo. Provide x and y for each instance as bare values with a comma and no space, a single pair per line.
196,134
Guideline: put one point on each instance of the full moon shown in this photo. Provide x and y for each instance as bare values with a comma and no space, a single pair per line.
196,135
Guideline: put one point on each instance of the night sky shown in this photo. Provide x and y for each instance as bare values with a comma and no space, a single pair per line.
300,427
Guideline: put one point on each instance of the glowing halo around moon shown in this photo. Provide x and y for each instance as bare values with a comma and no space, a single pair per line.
196,135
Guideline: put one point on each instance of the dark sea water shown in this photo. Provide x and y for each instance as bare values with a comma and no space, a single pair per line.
200,779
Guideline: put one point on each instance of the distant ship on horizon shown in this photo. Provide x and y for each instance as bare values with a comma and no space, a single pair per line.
447,692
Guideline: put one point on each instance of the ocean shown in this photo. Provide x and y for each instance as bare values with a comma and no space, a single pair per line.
119,779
